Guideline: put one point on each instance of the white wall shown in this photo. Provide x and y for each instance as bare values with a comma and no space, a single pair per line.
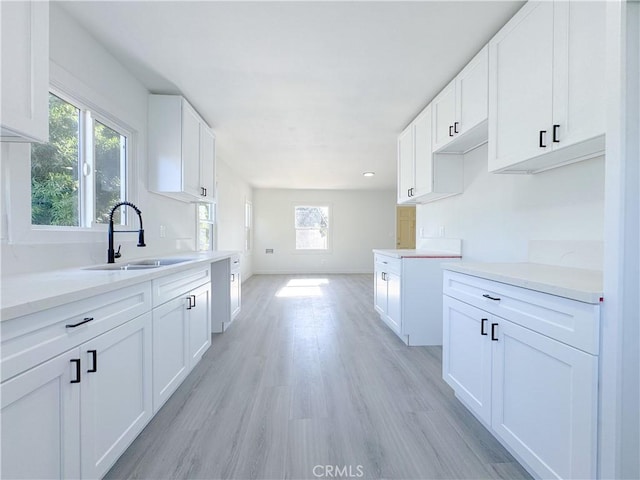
497,214
232,192
360,221
90,72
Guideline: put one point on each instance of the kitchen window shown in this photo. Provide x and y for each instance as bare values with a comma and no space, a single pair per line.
206,234
312,227
248,222
81,172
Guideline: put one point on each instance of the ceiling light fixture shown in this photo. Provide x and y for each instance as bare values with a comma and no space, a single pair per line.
369,174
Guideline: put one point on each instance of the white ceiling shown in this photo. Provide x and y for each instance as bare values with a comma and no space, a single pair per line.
300,94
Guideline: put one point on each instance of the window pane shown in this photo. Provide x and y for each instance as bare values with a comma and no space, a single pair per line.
205,226
110,167
54,168
311,239
312,217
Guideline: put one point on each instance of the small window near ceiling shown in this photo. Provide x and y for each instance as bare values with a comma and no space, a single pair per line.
79,175
312,227
206,226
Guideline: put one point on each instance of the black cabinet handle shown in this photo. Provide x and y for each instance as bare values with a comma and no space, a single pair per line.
233,277
450,130
77,362
384,276
455,127
189,306
486,295
86,320
94,356
555,134
541,138
482,324
493,332
194,300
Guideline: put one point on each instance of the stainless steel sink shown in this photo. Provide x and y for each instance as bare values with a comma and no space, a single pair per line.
141,264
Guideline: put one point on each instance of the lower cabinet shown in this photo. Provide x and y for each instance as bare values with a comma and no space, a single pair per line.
41,421
537,395
226,292
408,296
181,335
72,416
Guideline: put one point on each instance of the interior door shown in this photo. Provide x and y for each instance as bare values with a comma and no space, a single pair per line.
406,227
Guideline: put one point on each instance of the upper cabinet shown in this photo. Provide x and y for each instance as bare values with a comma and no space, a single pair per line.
181,150
546,87
460,109
25,71
422,175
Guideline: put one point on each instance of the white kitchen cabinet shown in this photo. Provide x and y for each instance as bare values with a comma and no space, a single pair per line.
199,320
25,66
226,293
41,421
466,355
77,412
537,394
408,295
236,287
546,87
423,176
181,150
181,328
115,393
460,109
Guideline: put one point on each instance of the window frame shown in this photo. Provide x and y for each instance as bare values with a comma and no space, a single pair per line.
248,225
314,251
212,226
18,201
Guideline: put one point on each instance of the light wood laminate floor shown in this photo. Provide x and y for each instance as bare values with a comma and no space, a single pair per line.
309,376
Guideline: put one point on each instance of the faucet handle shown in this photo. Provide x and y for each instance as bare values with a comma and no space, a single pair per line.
118,254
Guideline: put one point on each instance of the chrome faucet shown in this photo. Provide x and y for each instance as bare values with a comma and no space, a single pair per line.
111,254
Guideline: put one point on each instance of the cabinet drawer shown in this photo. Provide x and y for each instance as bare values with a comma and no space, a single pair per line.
388,264
172,286
568,321
30,340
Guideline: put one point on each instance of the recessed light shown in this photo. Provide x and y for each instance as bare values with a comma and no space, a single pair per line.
369,174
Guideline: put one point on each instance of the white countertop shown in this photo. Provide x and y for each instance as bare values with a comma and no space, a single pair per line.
417,253
34,292
574,283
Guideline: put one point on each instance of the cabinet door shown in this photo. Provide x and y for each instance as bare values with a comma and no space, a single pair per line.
394,302
406,155
444,116
545,402
466,355
235,294
41,421
207,163
579,71
520,86
472,92
423,169
116,393
170,349
380,294
25,67
199,323
190,151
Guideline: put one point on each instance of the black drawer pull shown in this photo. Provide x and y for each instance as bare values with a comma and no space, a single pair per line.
556,138
482,325
486,295
189,306
455,127
450,130
94,357
194,299
77,362
493,332
86,320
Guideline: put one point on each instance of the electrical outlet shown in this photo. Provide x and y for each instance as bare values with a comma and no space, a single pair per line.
268,250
